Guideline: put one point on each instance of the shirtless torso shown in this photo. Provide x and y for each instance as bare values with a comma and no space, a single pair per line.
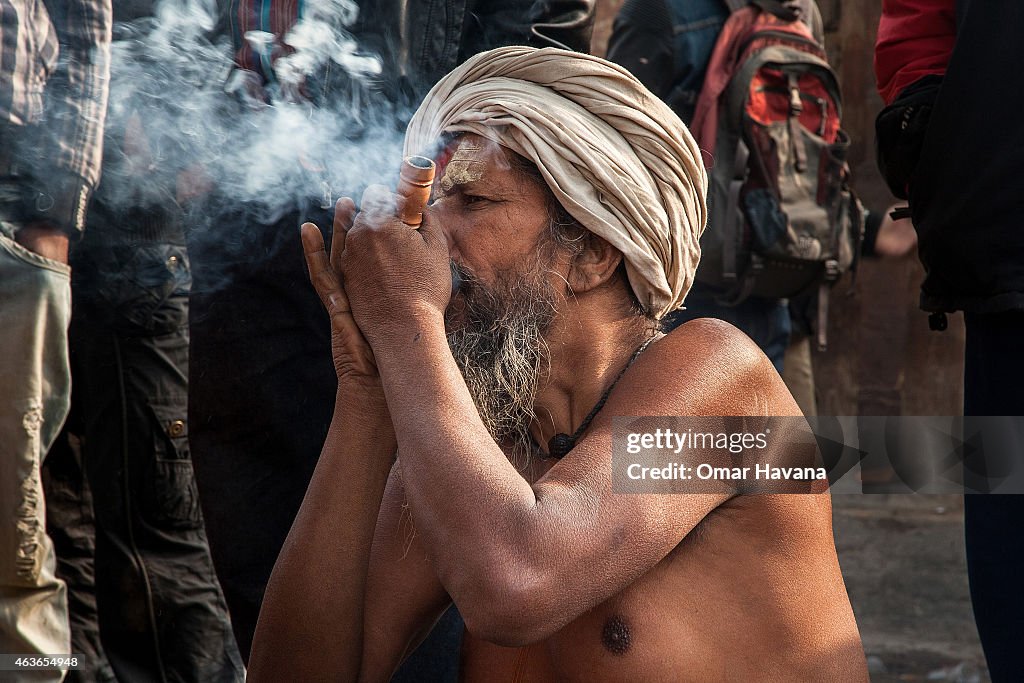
753,592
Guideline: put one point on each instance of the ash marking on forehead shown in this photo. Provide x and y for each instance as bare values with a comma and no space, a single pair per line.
615,635
467,165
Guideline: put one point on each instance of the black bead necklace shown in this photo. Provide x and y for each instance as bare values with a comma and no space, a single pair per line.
560,444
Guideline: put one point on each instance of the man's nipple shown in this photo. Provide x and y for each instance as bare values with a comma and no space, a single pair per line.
615,635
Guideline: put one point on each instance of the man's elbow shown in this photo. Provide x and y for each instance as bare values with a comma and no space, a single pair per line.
512,608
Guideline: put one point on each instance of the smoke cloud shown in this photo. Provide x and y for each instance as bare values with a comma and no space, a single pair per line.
184,122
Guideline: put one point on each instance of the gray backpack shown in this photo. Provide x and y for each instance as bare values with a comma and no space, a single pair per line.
783,220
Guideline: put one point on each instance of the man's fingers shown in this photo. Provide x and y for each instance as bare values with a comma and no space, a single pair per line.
344,216
312,242
332,295
323,277
378,199
319,267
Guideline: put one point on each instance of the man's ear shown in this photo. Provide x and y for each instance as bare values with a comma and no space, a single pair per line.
594,266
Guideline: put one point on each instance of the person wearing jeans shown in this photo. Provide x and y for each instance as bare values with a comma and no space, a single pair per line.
35,304
51,128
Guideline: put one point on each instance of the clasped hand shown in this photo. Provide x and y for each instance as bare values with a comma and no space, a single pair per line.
382,279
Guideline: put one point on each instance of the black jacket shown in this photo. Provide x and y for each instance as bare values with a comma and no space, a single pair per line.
441,34
966,188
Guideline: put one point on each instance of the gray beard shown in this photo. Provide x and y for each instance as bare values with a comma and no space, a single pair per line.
500,349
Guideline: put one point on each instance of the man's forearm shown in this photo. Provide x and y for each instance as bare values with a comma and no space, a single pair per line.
76,96
466,495
304,631
70,143
436,420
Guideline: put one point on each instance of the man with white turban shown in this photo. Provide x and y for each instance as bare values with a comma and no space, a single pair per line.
568,212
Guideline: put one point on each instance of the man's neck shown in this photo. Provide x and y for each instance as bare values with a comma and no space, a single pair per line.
588,350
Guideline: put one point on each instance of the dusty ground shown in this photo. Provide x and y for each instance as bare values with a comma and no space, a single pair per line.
903,560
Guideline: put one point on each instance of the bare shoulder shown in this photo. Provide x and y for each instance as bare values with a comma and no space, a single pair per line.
709,367
709,342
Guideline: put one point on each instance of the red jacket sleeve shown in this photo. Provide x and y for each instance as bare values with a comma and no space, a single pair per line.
915,39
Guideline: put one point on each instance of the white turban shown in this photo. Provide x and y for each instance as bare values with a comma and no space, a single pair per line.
614,155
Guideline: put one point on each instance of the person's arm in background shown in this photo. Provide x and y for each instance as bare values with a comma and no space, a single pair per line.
62,152
668,47
538,23
886,236
562,23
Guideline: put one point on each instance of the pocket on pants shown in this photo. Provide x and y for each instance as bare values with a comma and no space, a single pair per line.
171,498
139,290
31,258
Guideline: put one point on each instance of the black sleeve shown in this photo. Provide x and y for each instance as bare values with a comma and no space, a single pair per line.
642,42
899,132
538,23
563,23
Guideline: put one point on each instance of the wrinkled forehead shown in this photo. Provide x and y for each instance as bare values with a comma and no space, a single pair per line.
469,157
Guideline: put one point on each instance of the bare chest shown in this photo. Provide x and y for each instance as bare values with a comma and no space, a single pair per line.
649,631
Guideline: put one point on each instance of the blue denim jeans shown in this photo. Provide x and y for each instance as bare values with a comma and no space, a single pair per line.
766,321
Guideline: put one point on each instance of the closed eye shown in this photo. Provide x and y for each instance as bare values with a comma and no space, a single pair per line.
480,200
466,199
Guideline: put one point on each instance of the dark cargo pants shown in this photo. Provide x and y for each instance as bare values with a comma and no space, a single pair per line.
156,607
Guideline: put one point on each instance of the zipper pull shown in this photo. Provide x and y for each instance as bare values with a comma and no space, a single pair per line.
796,106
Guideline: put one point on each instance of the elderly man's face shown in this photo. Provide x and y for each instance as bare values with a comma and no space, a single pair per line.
498,229
491,213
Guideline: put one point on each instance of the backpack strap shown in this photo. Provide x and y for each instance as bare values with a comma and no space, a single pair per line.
736,5
720,71
824,289
795,108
